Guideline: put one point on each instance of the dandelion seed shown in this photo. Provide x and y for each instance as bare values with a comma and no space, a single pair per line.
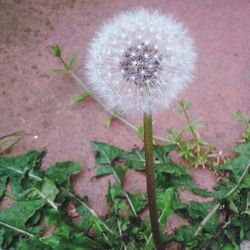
149,53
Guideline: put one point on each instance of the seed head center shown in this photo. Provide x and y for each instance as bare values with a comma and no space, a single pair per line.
140,64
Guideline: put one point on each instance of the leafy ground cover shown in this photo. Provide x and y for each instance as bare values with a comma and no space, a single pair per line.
40,218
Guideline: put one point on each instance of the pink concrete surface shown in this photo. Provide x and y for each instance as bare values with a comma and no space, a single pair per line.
34,99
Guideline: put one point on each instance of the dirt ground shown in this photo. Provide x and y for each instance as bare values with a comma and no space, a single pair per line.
36,100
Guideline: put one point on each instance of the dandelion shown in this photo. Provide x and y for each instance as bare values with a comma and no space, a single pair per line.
138,63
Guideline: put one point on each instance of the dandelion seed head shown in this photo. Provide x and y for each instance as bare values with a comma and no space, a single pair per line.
149,58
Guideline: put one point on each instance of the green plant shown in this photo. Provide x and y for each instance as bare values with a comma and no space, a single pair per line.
46,196
190,145
205,219
245,120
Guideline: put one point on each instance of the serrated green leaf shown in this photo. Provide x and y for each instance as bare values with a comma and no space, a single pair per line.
80,97
197,210
173,169
103,170
115,191
165,201
119,172
134,159
139,201
161,153
183,234
79,242
48,192
16,216
16,168
31,244
243,149
105,153
61,172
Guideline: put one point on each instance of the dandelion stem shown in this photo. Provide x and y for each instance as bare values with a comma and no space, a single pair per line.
148,142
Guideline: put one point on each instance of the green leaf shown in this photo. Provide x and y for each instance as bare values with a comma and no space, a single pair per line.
243,149
197,210
48,192
1,237
90,220
170,174
61,227
105,153
139,201
80,97
233,206
31,244
119,172
16,216
134,159
228,246
78,242
3,181
165,201
16,168
108,121
61,172
173,169
55,50
183,234
103,170
140,132
161,153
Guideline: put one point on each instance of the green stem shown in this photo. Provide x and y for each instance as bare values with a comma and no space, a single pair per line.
148,141
190,125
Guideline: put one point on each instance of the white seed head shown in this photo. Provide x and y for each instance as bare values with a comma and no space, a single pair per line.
151,60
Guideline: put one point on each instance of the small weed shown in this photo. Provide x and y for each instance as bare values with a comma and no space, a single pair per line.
190,145
245,120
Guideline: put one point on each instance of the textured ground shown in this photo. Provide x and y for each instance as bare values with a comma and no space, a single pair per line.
34,99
